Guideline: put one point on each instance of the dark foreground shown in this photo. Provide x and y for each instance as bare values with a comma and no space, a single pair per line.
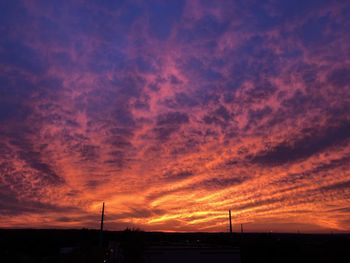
135,246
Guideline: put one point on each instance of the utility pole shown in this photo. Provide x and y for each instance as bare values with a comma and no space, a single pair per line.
241,228
101,228
229,215
102,216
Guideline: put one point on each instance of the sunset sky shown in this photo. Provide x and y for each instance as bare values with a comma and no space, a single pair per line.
173,112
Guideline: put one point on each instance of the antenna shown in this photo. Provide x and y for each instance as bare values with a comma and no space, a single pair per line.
229,215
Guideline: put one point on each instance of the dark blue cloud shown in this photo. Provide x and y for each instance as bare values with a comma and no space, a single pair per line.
217,183
336,187
313,31
175,176
290,9
103,59
204,29
169,123
260,203
339,77
12,13
163,133
313,142
13,110
220,116
34,159
172,118
316,172
163,16
130,14
15,91
110,4
10,205
257,115
22,57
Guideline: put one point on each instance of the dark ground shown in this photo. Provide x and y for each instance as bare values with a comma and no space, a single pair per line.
83,245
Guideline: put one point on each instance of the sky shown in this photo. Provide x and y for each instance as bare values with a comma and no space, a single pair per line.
173,112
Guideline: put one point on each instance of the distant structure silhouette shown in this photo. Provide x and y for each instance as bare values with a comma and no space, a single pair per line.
230,219
242,228
101,228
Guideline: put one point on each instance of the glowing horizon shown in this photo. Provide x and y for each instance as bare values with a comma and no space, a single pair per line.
174,112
